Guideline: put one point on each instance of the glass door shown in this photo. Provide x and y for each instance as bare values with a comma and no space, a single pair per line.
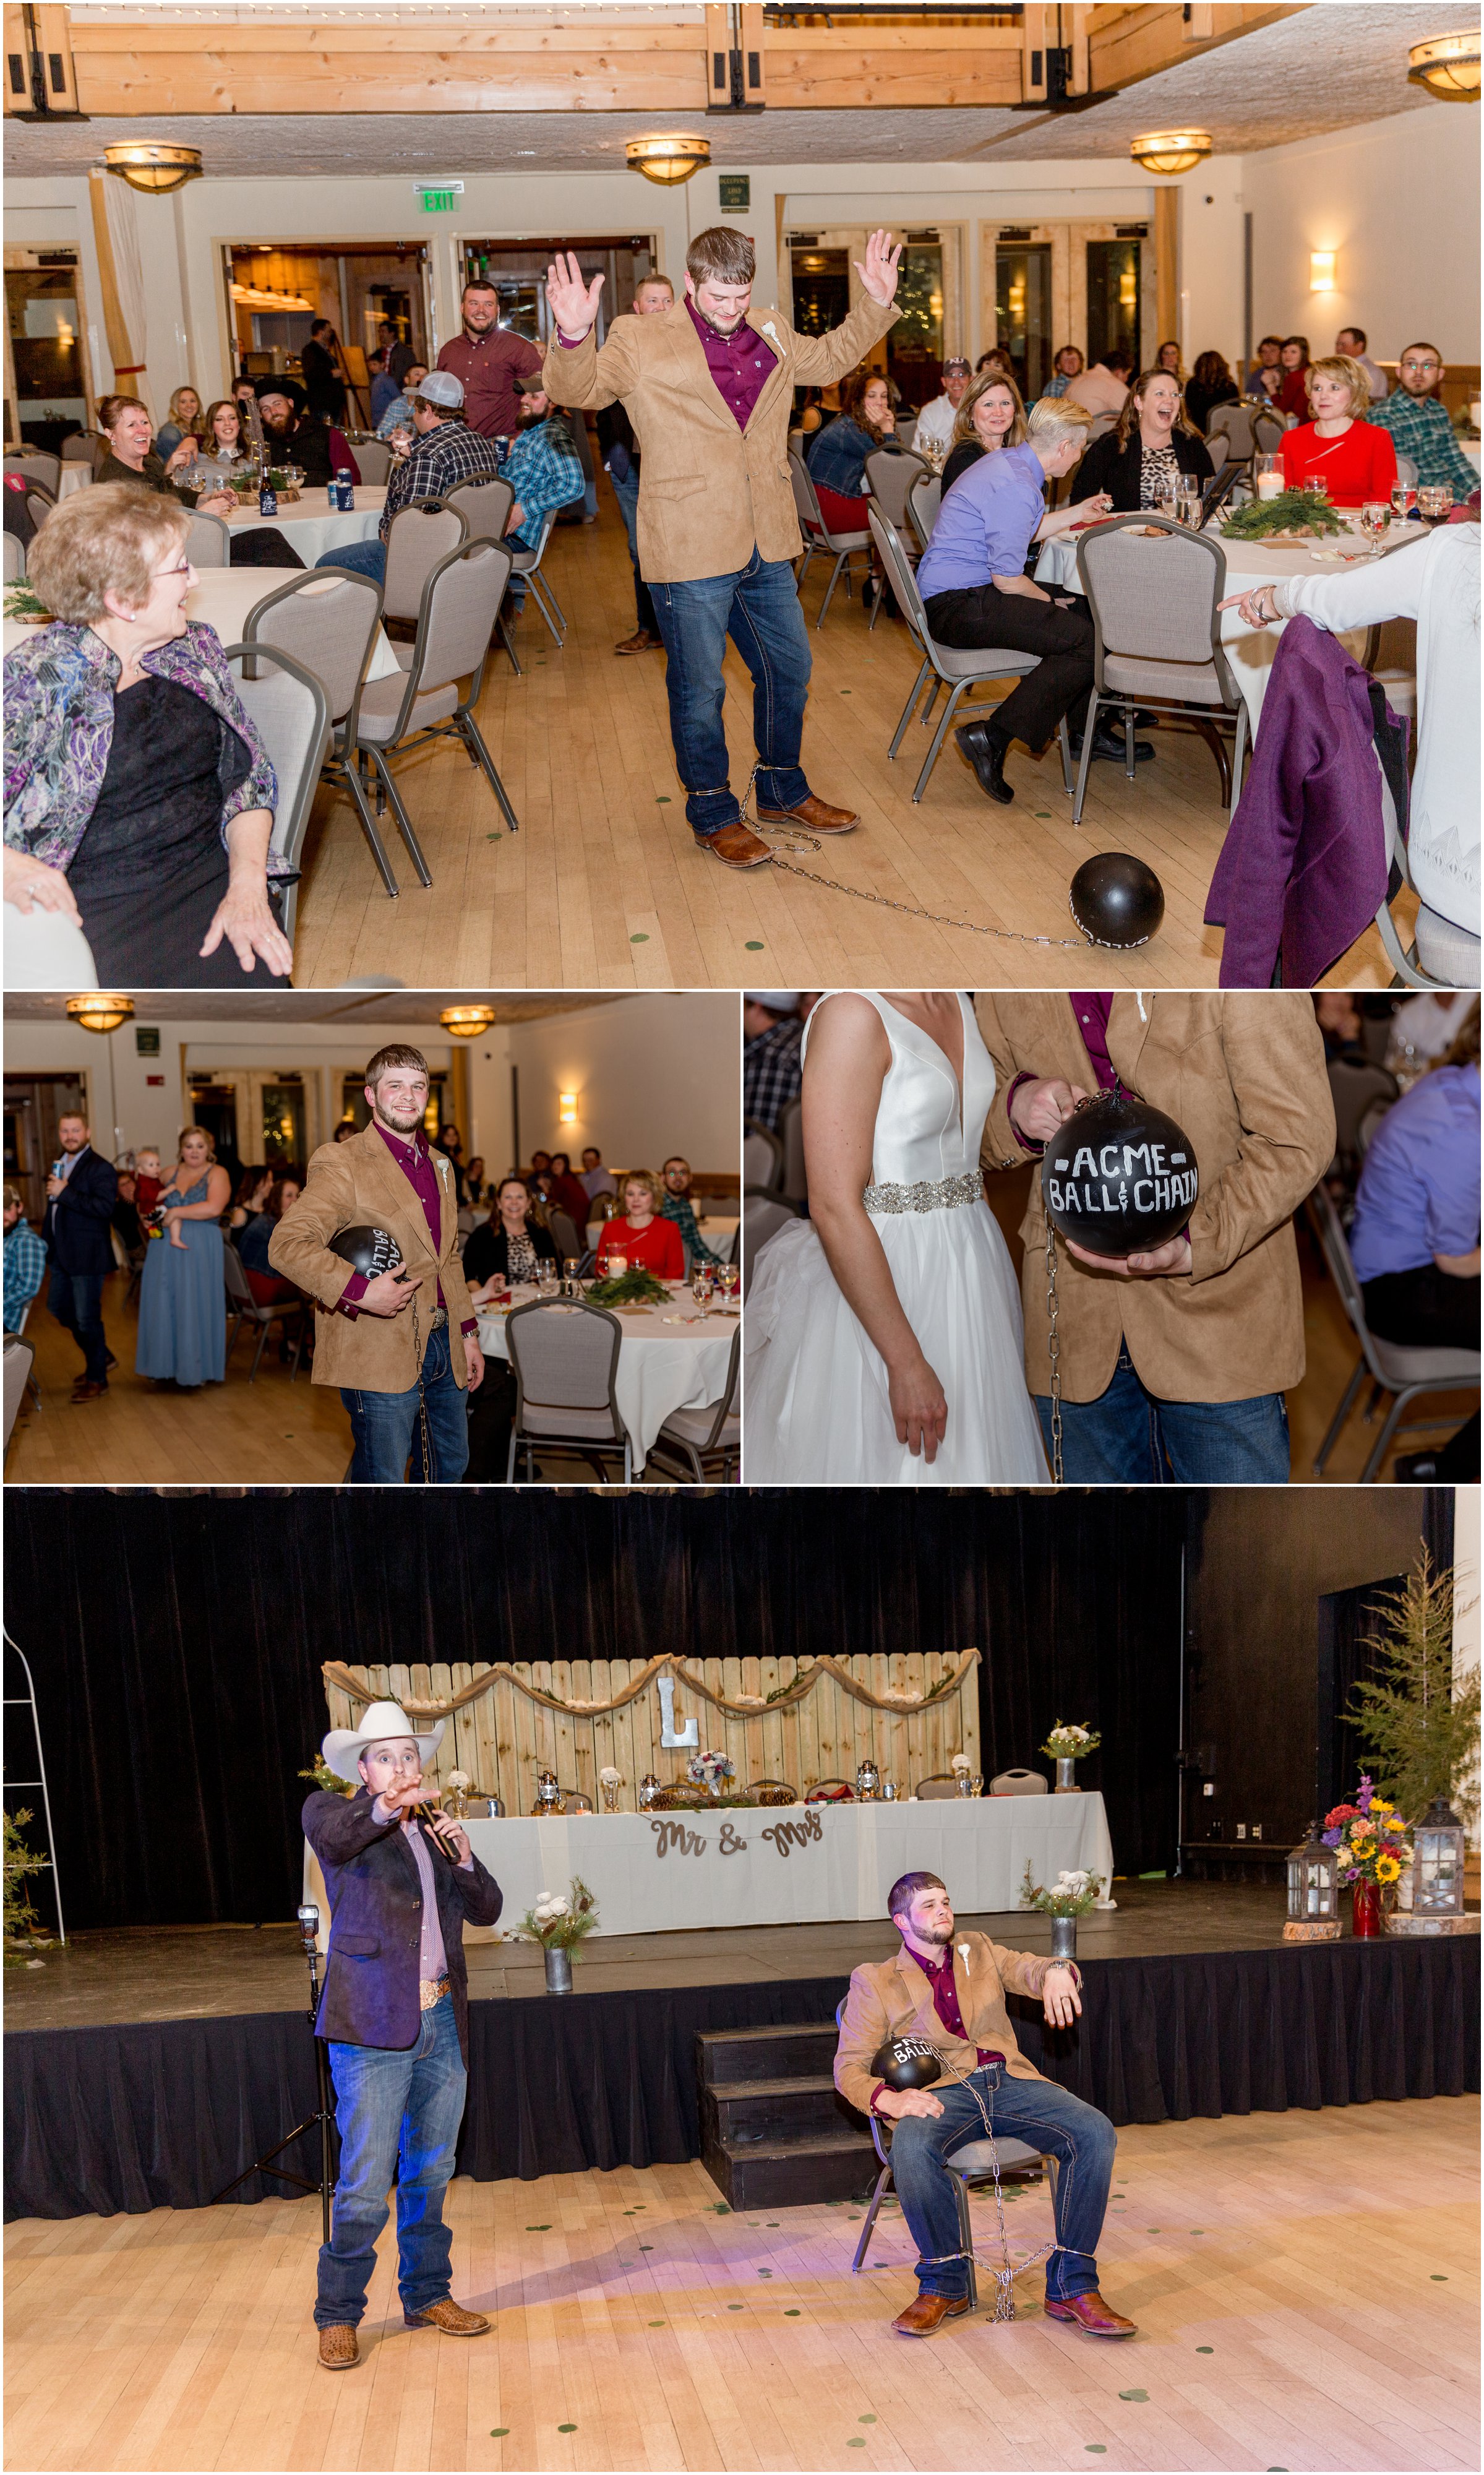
44,335
914,346
1114,300
1022,311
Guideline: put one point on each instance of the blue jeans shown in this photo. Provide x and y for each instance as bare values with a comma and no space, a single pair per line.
362,558
386,1426
1082,2141
626,491
759,608
1129,1438
76,1300
397,2114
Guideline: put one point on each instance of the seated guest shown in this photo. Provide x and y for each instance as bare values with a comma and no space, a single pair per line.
593,1179
836,455
1415,1239
543,467
138,795
1069,365
226,438
772,1052
292,435
991,416
934,433
450,1142
1293,388
996,359
474,1179
254,1188
397,414
25,1261
1212,384
1265,375
1150,447
509,1245
641,1236
1168,360
568,1192
1351,341
973,582
541,1163
125,423
267,1285
1105,387
1418,421
385,389
1338,449
676,1204
185,423
444,452
947,1987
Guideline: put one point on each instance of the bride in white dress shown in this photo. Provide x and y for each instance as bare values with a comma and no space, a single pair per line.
883,1336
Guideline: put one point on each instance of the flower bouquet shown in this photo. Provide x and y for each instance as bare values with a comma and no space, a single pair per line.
561,1926
610,1781
710,1771
1066,1745
455,1804
1070,1897
1370,1845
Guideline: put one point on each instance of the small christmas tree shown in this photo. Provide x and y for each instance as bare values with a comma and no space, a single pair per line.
1420,1732
22,1927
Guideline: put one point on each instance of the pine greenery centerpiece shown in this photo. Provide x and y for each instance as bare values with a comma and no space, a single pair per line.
634,1288
1417,1726
23,602
1292,511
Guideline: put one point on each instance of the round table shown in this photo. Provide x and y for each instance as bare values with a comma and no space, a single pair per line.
223,596
670,1359
72,477
312,527
1249,650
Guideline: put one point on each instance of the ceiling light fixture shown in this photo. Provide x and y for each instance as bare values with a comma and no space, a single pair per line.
467,1022
1448,66
670,158
1170,150
96,1012
154,168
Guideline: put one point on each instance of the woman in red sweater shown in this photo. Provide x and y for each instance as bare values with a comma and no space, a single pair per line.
1353,460
642,1235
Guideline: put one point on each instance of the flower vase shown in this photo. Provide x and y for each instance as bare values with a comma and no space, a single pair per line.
1066,1774
1064,1937
1366,1909
610,1788
558,1972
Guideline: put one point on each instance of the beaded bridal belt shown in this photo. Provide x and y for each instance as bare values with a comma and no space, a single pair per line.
929,1194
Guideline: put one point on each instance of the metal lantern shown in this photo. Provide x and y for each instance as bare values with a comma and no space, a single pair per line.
1313,1892
868,1782
1438,1862
648,1790
549,1794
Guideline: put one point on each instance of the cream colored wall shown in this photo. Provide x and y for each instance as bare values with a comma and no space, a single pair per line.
652,1074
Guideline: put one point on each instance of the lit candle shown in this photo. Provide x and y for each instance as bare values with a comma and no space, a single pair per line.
618,1265
1270,486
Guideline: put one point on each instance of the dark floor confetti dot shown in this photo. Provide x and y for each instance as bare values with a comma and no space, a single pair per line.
857,2443
754,946
640,936
722,2208
539,2230
765,2272
1198,2230
664,799
656,2324
792,2312
1096,2448
647,2246
567,2427
737,2307
1437,2280
1206,2350
1135,2397
499,2431
866,2418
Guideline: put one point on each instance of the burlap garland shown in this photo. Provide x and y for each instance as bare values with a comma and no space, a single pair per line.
746,1705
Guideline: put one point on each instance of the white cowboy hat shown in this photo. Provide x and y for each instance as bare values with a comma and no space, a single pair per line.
344,1747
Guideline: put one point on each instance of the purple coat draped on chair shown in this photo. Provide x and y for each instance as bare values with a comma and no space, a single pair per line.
1303,871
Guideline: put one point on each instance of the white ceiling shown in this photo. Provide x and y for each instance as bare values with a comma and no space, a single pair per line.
303,1005
1328,67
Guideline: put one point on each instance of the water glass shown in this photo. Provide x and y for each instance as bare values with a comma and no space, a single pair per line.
546,1275
1403,500
703,1286
1375,517
1187,504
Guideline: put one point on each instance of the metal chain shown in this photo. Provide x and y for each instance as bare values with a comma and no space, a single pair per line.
1053,1348
1005,2274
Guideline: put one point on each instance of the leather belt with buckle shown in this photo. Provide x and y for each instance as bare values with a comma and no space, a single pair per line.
438,1318
431,1991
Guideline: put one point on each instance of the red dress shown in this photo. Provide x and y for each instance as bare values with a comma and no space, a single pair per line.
1360,464
841,515
657,1248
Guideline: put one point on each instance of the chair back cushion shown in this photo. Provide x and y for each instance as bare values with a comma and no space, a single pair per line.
890,477
43,950
484,506
462,608
565,1356
419,537
899,572
1152,597
209,543
924,498
372,461
1019,1783
1233,422
293,722
325,621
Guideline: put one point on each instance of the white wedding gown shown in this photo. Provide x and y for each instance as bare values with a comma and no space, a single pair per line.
817,1406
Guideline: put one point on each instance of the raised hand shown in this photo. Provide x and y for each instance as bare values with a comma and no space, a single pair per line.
880,271
572,304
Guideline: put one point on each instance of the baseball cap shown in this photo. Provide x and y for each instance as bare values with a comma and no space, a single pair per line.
956,368
440,387
776,1000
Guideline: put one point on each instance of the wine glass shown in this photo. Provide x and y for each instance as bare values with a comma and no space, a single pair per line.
1375,517
546,1274
730,1278
703,1282
571,1265
1403,500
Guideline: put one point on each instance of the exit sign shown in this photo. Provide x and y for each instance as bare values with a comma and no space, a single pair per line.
736,193
441,199
146,1040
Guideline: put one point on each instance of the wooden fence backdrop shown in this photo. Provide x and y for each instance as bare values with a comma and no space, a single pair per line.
501,1736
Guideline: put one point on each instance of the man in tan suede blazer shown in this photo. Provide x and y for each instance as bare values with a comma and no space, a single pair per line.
1173,1363
403,1347
946,1990
708,387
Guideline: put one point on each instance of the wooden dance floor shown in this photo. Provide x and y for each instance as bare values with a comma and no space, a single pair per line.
1304,2284
603,887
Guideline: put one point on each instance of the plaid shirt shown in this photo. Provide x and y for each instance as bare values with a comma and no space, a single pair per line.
25,1270
680,1209
1421,428
436,464
772,1071
545,473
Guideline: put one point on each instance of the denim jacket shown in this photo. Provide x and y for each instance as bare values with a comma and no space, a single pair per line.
59,728
837,460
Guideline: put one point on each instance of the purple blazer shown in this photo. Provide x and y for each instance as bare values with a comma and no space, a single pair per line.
1302,871
375,1906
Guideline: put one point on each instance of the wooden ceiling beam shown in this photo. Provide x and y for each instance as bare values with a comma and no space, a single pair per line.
1125,45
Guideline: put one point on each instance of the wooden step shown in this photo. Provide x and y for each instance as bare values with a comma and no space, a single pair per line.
741,2112
728,2054
793,2174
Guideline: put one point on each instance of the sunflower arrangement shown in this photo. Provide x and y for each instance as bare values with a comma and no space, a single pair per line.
1369,1838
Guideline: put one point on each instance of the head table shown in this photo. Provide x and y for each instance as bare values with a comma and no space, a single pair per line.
792,1865
670,1358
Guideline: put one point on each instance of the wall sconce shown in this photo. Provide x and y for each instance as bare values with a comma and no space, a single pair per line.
1322,270
567,1108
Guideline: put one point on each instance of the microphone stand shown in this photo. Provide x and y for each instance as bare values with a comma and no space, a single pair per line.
324,2116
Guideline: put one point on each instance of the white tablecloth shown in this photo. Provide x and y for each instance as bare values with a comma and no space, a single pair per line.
311,529
662,1366
72,477
222,596
1249,650
1472,449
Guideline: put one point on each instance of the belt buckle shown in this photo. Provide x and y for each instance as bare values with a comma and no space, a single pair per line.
430,1992
438,1318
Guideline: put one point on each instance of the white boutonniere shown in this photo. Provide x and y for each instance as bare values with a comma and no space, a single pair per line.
964,1953
771,333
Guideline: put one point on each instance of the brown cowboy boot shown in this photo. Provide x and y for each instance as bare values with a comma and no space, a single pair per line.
449,2316
338,2350
1089,2312
817,814
736,846
928,2313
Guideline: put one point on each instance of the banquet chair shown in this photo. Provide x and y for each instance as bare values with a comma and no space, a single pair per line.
1355,1084
1406,470
563,1354
86,447
39,501
762,1157
1019,1783
706,1441
971,2166
43,950
20,1357
924,498
209,542
1268,427
1156,637
373,462
1403,1369
328,620
943,664
485,505
889,479
938,1783
564,1235
793,1185
528,563
39,464
818,540
460,602
418,537
14,558
763,1216
244,1309
1233,422
290,707
1366,1131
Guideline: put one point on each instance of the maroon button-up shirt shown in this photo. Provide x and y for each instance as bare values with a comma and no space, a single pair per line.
1092,1009
945,2002
415,1161
739,363
487,364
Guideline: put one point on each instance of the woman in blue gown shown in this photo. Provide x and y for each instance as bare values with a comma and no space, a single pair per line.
183,1300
